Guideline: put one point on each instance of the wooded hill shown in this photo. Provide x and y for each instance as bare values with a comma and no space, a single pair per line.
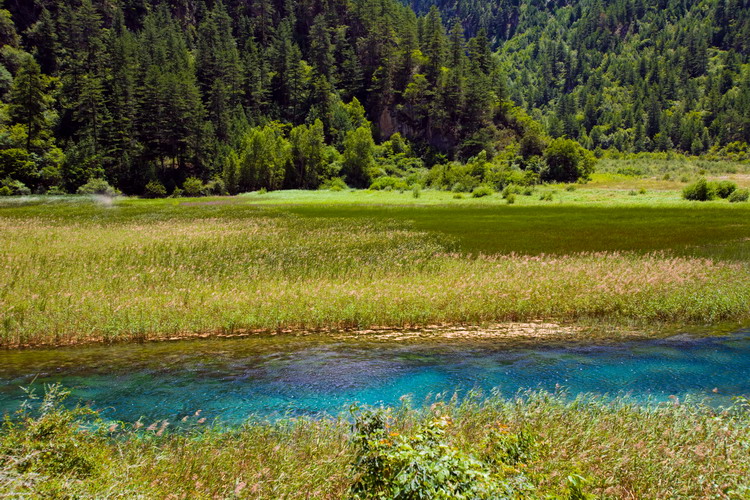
271,93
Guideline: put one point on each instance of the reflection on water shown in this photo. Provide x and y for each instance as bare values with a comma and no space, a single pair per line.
231,379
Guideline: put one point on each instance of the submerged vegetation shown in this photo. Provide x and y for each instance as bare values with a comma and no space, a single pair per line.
529,446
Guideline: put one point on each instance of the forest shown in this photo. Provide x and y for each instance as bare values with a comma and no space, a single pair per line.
153,96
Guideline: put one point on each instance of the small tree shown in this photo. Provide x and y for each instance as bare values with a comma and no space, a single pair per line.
193,186
567,161
358,160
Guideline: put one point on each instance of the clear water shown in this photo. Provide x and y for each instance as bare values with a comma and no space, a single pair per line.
271,376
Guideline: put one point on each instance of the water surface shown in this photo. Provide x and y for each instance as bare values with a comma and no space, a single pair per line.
276,375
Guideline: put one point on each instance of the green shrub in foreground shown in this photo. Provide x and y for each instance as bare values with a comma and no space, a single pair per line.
700,190
724,189
155,189
422,464
193,187
97,186
739,195
482,191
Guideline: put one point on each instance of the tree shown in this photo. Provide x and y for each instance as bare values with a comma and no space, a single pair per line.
567,161
308,156
263,159
358,160
29,101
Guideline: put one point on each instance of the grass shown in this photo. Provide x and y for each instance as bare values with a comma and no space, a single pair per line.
77,270
535,442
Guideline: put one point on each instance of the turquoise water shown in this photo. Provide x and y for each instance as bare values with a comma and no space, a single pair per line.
271,376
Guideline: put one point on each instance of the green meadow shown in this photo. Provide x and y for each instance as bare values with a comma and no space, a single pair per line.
81,269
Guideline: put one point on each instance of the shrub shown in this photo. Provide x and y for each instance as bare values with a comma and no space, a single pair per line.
193,187
416,192
528,191
14,188
177,193
567,161
739,195
216,187
724,188
422,464
700,190
49,441
511,189
458,196
570,187
386,182
546,196
97,186
482,191
155,189
642,191
5,191
459,187
55,191
510,199
335,184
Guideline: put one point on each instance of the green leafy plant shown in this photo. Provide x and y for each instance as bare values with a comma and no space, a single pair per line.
700,190
193,187
482,191
420,464
97,186
739,195
155,189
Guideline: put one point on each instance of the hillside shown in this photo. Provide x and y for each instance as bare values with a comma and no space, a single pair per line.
269,94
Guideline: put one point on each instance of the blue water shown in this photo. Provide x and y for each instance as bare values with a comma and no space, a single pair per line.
271,376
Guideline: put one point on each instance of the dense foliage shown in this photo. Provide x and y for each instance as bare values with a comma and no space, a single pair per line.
255,95
267,94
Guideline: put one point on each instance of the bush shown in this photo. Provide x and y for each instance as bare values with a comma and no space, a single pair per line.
14,188
511,189
724,189
97,186
155,189
546,196
5,191
739,195
482,191
700,190
567,161
422,464
386,182
193,187
55,191
416,192
216,187
335,184
177,193
49,441
510,199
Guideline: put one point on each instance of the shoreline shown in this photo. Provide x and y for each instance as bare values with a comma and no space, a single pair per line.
532,332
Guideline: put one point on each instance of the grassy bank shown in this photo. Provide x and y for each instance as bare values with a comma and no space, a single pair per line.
78,270
531,446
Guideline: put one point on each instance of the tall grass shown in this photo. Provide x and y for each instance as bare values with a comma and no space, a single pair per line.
535,440
77,273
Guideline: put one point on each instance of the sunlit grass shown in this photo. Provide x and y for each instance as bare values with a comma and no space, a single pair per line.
76,271
620,450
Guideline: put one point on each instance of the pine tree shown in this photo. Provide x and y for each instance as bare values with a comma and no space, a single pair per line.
29,101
